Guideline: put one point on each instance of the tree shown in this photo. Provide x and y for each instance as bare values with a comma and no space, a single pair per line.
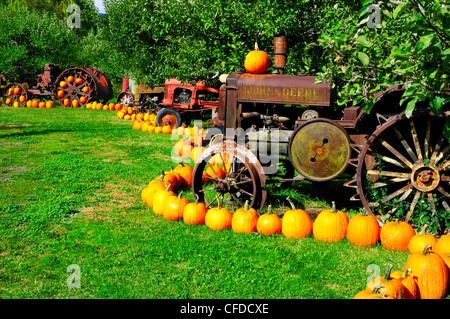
410,44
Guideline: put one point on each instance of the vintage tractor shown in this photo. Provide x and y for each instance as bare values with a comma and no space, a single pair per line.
174,102
274,125
71,87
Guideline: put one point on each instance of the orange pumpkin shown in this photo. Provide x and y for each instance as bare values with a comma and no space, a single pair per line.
363,230
296,223
196,152
376,293
159,198
244,220
158,129
185,172
152,188
392,287
166,129
395,235
442,246
330,225
268,223
430,273
218,218
410,289
194,213
215,172
418,242
174,207
257,61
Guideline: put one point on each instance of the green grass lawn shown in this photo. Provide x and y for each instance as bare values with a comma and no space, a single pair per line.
70,194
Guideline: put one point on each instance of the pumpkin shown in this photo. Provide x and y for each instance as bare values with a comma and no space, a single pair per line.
256,61
395,235
418,242
158,129
171,178
144,193
363,230
166,129
49,104
244,220
268,223
218,218
392,287
151,128
185,172
196,152
174,207
152,188
186,150
330,225
137,125
376,293
194,213
442,246
410,289
159,198
430,272
180,130
63,84
215,171
70,79
296,223
144,126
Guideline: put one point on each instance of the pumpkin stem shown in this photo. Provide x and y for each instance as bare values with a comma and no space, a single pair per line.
290,202
180,194
168,187
376,290
333,207
161,177
426,250
256,46
387,277
246,205
196,198
269,210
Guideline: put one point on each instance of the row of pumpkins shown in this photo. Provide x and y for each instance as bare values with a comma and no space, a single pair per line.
100,106
30,103
426,273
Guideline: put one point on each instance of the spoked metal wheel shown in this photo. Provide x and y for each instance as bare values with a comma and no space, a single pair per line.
405,167
15,93
126,98
229,174
75,88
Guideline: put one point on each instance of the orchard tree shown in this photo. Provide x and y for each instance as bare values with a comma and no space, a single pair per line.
387,42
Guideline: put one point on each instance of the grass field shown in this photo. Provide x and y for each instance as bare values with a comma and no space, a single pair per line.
70,185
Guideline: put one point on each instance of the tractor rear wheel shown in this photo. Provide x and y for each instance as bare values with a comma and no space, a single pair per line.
410,167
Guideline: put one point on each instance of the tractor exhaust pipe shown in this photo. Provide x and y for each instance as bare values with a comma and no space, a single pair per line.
280,51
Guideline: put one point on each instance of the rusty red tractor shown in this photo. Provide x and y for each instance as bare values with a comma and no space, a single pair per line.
174,102
71,87
279,128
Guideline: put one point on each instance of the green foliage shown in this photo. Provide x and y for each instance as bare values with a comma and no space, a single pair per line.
31,36
411,44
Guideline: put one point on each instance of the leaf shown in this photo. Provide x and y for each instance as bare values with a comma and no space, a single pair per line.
400,9
425,41
364,58
363,41
410,107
